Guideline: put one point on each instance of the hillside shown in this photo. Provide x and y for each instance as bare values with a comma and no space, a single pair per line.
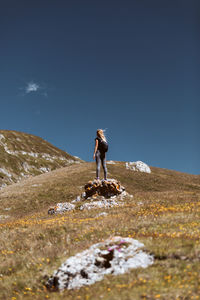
23,155
163,214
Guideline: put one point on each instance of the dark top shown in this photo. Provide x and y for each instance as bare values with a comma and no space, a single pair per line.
102,146
99,143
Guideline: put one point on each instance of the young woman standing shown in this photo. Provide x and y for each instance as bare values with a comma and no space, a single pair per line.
101,147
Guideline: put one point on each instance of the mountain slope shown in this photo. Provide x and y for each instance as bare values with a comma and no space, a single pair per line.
23,155
163,214
64,184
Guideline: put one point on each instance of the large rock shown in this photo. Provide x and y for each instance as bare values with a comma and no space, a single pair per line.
138,166
114,256
106,188
97,194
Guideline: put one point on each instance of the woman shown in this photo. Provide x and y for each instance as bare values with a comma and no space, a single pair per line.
100,150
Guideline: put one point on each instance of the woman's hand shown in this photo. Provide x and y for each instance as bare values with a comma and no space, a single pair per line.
94,156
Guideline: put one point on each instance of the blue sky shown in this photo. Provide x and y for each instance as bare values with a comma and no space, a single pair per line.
131,67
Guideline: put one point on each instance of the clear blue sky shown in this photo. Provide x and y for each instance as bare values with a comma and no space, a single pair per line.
133,67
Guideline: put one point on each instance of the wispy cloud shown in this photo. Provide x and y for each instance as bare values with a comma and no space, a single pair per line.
32,87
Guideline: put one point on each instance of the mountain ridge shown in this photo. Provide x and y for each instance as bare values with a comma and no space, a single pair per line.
23,155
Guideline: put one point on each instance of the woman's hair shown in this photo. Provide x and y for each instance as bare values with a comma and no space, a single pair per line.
100,134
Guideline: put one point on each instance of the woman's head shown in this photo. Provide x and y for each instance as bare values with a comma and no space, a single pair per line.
100,134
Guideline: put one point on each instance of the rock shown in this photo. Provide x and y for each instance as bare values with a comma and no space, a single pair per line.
61,207
110,162
101,214
102,202
78,199
6,172
138,166
106,188
52,210
98,193
114,256
2,217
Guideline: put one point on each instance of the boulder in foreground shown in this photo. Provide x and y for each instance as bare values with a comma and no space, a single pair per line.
114,256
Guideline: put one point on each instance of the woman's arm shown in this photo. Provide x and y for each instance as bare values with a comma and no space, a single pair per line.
95,149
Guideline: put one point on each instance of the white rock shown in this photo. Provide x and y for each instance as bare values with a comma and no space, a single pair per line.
99,202
103,203
3,185
110,162
33,154
62,207
26,166
70,161
44,169
78,199
2,217
138,166
2,136
4,171
91,265
9,151
101,214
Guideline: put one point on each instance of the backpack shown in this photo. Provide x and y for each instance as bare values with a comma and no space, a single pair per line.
103,146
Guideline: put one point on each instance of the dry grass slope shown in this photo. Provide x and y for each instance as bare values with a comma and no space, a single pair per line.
163,214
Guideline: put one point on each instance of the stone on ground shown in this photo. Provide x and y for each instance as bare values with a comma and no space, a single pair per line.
97,194
106,188
114,256
138,166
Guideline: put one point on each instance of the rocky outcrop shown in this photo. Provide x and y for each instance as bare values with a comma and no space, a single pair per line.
106,188
114,256
138,166
97,194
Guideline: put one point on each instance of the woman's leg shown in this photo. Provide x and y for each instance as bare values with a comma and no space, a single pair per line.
103,162
98,164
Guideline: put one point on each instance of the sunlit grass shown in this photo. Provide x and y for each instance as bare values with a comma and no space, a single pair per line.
34,244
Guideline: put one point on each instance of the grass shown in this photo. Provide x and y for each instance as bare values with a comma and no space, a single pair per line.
163,214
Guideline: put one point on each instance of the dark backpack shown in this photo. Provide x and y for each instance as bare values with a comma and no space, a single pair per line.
103,146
